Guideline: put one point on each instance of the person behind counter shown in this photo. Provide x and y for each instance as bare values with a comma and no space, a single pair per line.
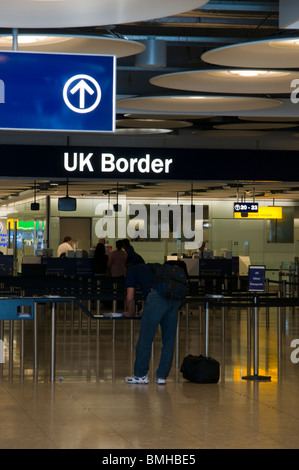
133,257
100,260
117,262
107,249
64,247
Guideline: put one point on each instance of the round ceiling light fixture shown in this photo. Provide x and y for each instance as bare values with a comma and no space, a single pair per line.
254,73
72,44
196,104
78,13
256,126
23,39
286,43
269,118
153,123
256,54
241,81
141,131
228,133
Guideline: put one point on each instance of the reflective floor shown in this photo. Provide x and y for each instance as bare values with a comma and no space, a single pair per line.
89,405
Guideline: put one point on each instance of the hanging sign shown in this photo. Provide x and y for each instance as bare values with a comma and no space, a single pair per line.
246,207
57,92
269,212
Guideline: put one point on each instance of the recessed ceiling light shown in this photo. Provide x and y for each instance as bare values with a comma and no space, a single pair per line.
287,43
33,39
255,73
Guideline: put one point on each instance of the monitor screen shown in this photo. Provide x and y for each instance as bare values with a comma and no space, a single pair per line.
67,204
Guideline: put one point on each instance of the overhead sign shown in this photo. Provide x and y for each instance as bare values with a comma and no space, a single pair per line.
256,278
246,207
270,212
57,92
142,163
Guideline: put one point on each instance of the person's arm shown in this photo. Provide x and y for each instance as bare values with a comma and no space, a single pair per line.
130,302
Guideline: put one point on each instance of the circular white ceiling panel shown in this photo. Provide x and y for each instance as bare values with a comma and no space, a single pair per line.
196,104
255,126
73,44
153,123
269,119
229,81
141,131
228,133
158,115
268,53
72,13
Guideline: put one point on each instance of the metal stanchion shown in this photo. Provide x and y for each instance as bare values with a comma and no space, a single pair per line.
53,343
207,328
279,330
223,323
35,337
177,348
249,328
207,320
267,308
256,375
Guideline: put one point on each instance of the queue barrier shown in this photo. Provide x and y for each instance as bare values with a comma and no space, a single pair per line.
254,301
26,309
22,306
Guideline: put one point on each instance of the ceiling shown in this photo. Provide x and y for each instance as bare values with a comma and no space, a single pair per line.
270,192
187,37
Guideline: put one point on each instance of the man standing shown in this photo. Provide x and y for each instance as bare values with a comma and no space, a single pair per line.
64,247
157,310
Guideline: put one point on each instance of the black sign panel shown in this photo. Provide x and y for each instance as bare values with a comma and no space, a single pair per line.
246,207
145,163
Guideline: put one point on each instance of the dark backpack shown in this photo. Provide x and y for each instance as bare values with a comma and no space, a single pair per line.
170,281
200,369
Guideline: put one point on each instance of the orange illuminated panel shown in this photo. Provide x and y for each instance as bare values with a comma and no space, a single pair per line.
12,222
271,212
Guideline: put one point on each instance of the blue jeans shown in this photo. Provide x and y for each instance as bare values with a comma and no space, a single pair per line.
157,310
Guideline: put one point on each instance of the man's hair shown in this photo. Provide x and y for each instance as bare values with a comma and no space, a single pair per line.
67,239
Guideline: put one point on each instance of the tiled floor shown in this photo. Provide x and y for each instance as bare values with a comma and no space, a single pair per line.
89,405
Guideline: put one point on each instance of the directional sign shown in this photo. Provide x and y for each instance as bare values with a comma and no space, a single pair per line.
256,278
246,207
64,92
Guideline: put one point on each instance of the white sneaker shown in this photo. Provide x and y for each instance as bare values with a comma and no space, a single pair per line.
137,380
160,381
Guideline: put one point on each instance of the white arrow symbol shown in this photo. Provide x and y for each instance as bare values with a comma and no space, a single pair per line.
82,87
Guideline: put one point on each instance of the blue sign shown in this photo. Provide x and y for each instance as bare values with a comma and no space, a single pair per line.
61,92
256,278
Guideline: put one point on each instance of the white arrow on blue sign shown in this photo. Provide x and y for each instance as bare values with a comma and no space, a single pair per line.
63,92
